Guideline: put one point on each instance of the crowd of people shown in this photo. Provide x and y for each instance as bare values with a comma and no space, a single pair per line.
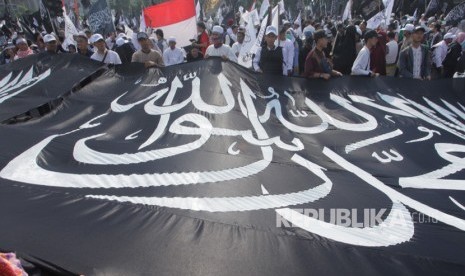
423,49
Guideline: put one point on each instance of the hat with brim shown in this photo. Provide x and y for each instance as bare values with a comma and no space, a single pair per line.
446,36
142,35
217,29
420,29
271,30
96,38
49,38
121,41
408,28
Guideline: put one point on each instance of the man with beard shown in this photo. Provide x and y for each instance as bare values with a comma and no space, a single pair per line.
218,49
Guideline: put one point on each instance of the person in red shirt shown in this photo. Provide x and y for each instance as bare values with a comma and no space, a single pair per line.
203,41
317,65
378,55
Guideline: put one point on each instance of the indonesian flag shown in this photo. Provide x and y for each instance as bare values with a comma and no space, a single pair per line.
175,17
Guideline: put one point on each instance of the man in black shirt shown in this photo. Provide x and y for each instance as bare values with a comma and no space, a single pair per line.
83,45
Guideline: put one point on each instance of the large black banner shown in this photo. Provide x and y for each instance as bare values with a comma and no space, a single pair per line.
40,79
208,169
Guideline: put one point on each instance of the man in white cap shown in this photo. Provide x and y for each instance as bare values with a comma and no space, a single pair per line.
439,54
270,59
173,55
103,54
51,45
146,55
217,48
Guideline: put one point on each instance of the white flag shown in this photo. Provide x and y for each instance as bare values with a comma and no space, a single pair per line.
275,17
264,8
142,26
389,4
198,11
70,31
245,55
282,9
383,17
260,36
219,16
128,30
275,21
347,11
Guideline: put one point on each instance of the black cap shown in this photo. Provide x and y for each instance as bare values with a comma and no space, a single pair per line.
420,28
319,35
371,34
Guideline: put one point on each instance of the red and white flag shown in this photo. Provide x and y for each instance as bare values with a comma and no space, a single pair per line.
175,17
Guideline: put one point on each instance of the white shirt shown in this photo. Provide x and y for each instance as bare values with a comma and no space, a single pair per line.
258,55
224,50
236,48
392,52
173,56
417,59
440,53
111,58
361,65
289,57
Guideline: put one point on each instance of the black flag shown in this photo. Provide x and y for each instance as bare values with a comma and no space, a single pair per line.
367,8
433,7
207,168
456,14
99,18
